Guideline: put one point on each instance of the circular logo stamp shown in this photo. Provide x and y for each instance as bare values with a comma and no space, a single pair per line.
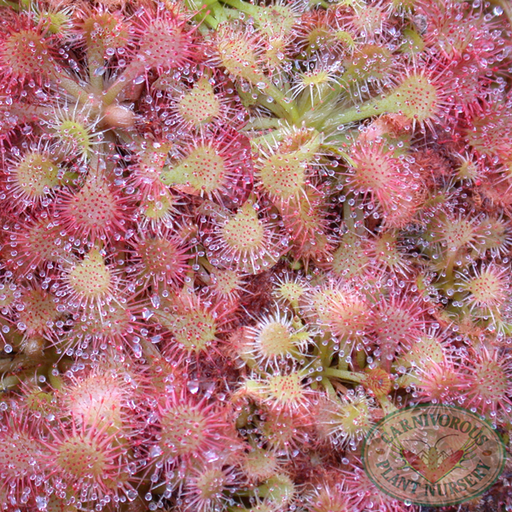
433,455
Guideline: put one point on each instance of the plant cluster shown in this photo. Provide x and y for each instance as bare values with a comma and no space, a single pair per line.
234,236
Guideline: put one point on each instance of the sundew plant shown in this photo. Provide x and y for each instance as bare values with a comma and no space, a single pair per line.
235,236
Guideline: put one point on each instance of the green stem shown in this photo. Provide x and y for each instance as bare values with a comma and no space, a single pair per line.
356,113
209,12
388,353
450,263
506,328
263,123
416,98
312,100
13,5
7,383
202,5
16,364
150,352
70,86
326,383
219,14
211,21
347,214
408,380
131,72
342,364
30,113
55,381
386,405
325,352
95,61
249,9
355,223
288,106
344,375
323,117
269,138
295,306
203,261
361,358
94,166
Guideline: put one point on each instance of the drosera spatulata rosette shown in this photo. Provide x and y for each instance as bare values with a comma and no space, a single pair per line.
234,236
